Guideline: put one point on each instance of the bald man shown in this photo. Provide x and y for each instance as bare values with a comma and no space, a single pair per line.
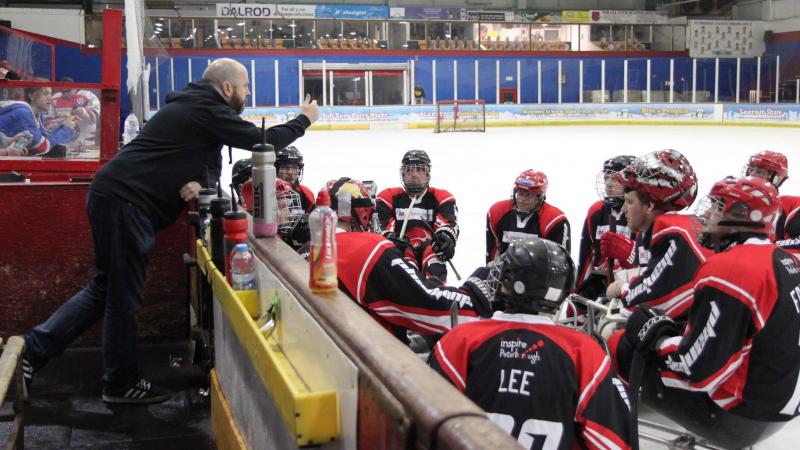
141,191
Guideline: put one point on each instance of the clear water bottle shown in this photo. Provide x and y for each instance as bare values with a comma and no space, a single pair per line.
243,269
23,140
131,128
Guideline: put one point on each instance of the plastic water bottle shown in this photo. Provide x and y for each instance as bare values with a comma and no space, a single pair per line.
265,203
322,260
243,269
24,140
131,128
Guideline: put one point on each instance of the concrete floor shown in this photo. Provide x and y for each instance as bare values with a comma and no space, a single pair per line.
66,411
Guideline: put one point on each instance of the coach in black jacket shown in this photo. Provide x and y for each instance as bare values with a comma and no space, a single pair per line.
142,190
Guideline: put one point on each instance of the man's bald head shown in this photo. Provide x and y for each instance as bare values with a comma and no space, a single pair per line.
230,79
224,70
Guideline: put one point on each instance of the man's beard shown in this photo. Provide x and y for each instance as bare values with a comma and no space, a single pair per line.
237,105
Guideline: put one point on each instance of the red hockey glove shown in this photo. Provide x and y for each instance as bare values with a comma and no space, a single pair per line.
617,246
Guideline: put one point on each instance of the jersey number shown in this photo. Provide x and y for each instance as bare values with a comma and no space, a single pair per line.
532,429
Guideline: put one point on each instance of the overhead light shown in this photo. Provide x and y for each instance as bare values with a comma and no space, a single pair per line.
292,25
241,24
229,29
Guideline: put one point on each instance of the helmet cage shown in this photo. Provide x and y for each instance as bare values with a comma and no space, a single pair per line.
424,171
609,187
290,209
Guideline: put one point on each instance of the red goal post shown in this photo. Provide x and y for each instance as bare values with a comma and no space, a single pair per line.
460,115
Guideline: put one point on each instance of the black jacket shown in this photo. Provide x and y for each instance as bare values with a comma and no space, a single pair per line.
182,143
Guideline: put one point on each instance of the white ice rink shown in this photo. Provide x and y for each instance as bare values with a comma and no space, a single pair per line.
479,169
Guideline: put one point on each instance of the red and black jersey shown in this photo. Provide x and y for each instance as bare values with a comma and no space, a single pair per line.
307,200
373,272
436,208
741,343
787,229
547,385
674,257
596,223
504,224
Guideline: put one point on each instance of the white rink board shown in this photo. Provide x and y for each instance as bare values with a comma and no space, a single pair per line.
479,169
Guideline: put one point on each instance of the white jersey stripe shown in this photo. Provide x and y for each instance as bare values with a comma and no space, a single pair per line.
450,365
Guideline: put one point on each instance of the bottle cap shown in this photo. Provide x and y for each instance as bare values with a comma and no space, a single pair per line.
241,247
323,198
263,153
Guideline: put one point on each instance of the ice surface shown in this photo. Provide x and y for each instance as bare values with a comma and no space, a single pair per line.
479,169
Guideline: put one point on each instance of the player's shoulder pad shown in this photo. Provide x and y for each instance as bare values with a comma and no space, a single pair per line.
500,208
550,216
441,195
389,194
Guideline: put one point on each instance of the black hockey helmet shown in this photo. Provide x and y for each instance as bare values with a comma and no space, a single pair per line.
618,163
414,159
241,171
533,275
608,187
290,155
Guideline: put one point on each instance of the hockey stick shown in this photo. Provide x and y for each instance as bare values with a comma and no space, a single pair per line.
408,214
612,227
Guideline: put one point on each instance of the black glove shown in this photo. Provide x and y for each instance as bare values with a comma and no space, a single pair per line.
646,326
402,243
444,243
481,295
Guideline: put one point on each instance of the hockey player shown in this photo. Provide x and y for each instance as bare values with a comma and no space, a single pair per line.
80,103
604,215
289,165
374,272
431,227
292,219
526,214
773,167
733,376
547,385
655,185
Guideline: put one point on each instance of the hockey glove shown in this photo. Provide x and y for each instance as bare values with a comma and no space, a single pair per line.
444,243
646,326
481,295
402,243
617,246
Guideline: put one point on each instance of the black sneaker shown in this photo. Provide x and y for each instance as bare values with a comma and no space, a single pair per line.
27,375
142,392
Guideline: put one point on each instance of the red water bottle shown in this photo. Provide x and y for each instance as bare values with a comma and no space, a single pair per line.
235,227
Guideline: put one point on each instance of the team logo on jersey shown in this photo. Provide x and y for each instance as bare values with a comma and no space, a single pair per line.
416,214
658,270
790,265
619,229
519,349
684,362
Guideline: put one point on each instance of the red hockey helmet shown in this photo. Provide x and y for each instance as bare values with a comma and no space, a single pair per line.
531,181
772,166
347,190
289,207
750,202
664,176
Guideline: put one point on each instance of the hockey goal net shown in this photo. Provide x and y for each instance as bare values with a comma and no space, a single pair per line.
460,115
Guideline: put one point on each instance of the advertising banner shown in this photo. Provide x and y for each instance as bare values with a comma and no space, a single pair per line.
631,17
421,12
501,115
297,11
785,114
246,10
490,16
351,12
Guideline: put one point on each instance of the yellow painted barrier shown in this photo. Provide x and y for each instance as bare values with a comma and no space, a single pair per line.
312,417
